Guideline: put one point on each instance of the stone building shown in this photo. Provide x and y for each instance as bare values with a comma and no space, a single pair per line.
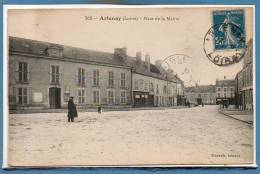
44,75
152,85
205,94
225,91
244,81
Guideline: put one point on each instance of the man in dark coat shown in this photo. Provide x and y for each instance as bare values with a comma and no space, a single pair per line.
72,110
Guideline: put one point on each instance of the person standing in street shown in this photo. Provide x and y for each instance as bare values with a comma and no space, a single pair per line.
72,110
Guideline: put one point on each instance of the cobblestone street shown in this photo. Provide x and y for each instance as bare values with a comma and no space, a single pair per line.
199,135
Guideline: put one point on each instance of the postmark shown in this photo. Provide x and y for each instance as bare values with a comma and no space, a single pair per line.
224,43
180,64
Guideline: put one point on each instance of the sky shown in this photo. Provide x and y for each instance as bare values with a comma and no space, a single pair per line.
182,32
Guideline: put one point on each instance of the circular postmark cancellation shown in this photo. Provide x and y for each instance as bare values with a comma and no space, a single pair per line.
224,44
181,65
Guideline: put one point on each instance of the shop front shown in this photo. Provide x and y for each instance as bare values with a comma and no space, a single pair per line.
143,99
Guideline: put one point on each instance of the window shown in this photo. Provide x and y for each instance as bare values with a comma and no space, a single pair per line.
55,51
81,96
157,89
231,92
136,85
23,72
123,97
55,74
219,89
218,94
151,87
164,89
95,97
22,96
146,86
225,92
110,97
123,80
110,79
81,76
96,78
141,84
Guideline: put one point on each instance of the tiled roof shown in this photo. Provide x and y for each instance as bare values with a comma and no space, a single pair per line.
39,48
225,82
141,68
201,89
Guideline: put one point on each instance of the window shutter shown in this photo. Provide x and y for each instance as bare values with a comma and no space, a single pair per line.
107,96
28,72
92,77
16,90
114,97
14,97
29,95
98,78
60,75
16,69
50,75
76,76
86,75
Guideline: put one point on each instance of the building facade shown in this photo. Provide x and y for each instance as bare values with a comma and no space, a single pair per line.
181,99
152,85
151,91
244,81
201,94
44,75
225,91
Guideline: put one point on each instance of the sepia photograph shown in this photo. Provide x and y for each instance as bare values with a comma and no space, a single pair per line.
138,86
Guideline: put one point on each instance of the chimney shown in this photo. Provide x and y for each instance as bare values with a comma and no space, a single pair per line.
158,64
147,61
120,54
138,58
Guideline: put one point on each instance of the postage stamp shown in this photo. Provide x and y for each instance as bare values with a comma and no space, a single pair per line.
230,31
224,43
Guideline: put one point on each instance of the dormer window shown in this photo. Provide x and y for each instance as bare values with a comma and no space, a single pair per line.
54,51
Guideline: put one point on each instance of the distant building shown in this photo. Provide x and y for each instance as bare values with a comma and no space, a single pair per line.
244,81
225,91
205,94
180,92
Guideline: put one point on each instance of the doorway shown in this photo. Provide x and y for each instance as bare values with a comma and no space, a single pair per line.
55,97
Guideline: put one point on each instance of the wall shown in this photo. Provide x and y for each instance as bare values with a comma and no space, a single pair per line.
161,97
39,81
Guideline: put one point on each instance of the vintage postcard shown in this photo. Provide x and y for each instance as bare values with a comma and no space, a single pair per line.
133,86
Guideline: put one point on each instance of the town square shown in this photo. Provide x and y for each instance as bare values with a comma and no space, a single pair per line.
198,135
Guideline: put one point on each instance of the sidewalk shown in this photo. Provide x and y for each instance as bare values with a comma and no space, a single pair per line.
65,110
241,115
